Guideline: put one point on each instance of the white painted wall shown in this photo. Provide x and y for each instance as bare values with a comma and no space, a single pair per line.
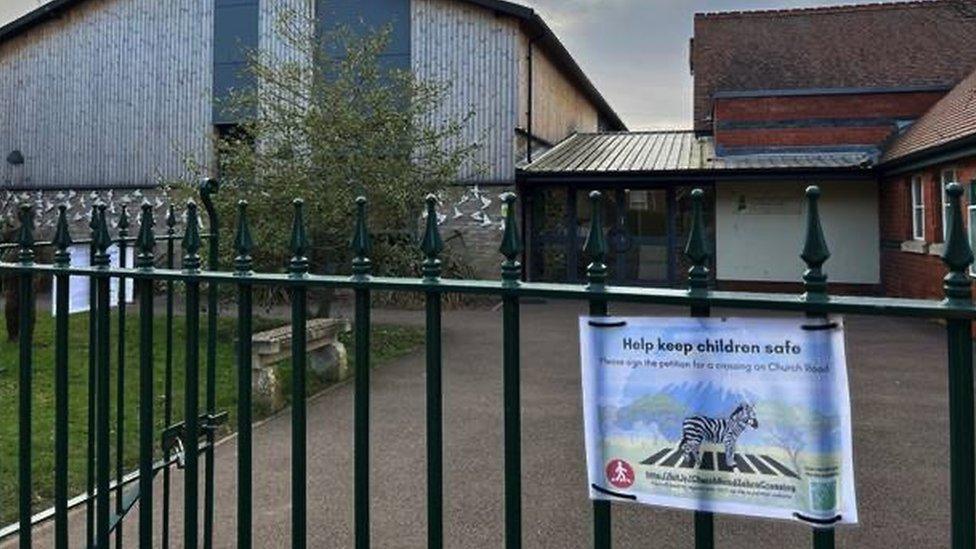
114,92
762,242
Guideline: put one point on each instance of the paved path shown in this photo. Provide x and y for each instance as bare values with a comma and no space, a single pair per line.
898,377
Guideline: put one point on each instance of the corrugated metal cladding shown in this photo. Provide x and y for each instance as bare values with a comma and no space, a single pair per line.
475,52
674,151
113,93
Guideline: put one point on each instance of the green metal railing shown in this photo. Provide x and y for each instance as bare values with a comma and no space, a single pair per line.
186,442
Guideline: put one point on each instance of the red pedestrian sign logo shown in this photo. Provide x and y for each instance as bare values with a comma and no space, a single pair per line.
620,474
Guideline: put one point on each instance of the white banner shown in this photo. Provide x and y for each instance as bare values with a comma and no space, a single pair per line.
78,286
744,416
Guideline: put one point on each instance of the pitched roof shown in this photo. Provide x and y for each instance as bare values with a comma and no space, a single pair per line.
892,45
675,152
537,27
952,118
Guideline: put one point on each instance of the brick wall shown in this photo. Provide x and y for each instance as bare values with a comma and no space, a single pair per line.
912,268
815,120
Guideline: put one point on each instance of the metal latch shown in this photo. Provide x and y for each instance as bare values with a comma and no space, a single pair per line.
174,436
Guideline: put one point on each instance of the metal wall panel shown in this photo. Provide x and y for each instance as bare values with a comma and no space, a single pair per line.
473,51
113,93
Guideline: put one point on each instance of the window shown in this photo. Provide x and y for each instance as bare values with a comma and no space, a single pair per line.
918,209
971,211
948,176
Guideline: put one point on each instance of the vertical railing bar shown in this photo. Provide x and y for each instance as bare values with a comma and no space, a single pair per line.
147,245
207,188
511,249
25,298
102,351
432,246
244,268
120,376
958,256
596,274
92,367
697,251
168,374
361,270
191,475
298,268
815,253
62,259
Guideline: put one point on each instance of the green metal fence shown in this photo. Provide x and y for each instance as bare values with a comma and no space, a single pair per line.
185,442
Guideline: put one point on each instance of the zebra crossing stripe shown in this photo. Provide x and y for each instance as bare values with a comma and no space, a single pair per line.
653,459
673,458
743,465
760,466
779,466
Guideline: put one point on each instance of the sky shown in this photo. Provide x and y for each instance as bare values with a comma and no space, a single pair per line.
635,51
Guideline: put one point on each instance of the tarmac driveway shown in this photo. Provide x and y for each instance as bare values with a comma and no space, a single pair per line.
898,378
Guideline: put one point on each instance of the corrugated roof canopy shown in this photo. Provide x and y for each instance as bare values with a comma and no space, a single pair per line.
675,152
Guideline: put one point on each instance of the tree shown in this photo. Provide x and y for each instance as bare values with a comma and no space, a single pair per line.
327,122
964,8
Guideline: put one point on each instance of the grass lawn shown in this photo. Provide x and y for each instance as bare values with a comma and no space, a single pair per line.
388,342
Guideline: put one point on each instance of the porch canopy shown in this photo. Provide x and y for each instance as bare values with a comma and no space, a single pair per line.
647,177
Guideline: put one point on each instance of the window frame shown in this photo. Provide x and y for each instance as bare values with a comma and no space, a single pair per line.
917,207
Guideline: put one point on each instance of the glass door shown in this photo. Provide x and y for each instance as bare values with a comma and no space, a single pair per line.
644,246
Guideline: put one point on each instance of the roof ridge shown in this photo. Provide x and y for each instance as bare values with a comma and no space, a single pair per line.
633,132
815,10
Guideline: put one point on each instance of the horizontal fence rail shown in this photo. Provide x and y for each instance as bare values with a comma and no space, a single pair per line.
186,442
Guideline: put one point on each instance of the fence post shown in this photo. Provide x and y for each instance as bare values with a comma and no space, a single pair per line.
25,296
361,271
120,375
244,268
432,247
698,253
208,187
958,256
298,268
168,373
511,248
62,260
815,253
145,261
92,344
191,474
102,310
596,273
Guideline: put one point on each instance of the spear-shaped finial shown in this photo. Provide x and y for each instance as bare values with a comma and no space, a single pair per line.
243,243
101,238
146,242
25,237
511,246
815,252
298,265
171,220
697,248
957,255
596,243
361,264
124,221
62,239
432,244
191,238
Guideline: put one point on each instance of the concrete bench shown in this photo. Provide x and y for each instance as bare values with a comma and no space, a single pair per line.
326,356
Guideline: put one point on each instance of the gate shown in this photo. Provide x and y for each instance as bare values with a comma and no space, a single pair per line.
184,443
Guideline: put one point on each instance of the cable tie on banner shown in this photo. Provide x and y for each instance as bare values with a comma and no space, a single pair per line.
600,324
819,327
817,521
621,495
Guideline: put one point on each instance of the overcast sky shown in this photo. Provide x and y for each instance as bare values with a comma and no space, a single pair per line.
635,51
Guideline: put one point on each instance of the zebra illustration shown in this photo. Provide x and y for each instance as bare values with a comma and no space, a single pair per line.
696,430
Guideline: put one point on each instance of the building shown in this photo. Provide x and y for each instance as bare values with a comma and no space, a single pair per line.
782,99
123,94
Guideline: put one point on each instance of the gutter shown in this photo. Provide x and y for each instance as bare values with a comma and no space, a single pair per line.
35,17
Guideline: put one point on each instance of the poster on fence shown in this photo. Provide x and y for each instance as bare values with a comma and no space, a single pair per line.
746,416
78,286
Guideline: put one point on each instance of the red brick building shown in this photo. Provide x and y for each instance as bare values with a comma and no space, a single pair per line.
872,102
